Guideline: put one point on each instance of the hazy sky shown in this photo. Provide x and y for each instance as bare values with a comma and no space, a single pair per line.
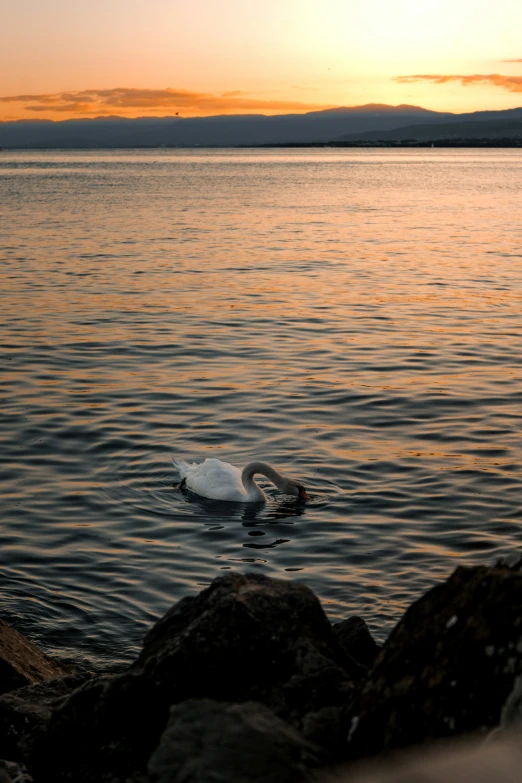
65,58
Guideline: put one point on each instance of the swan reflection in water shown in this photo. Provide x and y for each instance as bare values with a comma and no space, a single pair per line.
275,508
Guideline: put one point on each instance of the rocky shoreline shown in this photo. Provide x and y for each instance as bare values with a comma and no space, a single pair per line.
248,681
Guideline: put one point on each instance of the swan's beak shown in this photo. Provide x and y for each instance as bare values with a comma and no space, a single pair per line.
303,494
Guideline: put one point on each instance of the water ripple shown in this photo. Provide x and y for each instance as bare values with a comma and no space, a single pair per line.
352,317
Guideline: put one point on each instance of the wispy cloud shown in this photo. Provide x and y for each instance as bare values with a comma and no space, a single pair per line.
510,83
128,101
517,60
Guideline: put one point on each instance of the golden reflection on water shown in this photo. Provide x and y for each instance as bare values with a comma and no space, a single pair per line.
354,317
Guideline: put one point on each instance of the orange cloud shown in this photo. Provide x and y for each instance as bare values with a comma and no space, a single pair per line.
510,83
127,101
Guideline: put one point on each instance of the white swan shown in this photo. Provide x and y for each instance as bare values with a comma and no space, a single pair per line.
223,481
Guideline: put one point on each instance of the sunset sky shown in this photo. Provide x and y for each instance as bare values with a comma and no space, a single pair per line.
87,58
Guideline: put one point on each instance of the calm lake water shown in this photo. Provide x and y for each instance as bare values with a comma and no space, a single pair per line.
352,316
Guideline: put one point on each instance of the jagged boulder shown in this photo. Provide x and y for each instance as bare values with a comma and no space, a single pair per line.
12,772
449,666
206,741
103,733
26,712
245,638
354,635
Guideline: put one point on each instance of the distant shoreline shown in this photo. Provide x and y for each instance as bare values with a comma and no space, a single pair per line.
505,143
487,143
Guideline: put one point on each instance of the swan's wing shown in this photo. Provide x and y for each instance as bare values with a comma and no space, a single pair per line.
213,479
218,480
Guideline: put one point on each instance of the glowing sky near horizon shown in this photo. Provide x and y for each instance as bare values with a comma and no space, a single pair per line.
61,59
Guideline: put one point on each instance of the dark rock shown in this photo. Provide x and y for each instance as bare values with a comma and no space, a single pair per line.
448,667
21,663
11,772
511,715
103,733
245,638
26,712
354,636
245,634
207,742
328,728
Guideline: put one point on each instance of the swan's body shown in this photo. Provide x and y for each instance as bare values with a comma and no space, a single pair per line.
223,481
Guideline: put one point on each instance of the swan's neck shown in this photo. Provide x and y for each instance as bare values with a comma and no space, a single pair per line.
247,476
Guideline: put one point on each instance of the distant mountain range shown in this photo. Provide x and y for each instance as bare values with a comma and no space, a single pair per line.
370,123
503,128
